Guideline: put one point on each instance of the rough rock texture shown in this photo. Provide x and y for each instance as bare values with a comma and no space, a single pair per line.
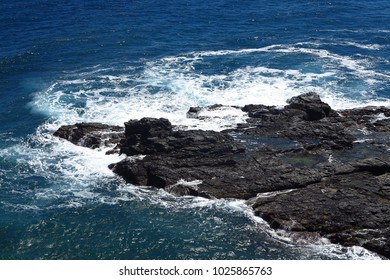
350,207
306,119
91,135
304,168
312,106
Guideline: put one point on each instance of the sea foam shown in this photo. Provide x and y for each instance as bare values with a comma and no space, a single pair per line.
167,87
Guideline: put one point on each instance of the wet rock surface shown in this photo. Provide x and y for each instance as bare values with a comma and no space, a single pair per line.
328,171
91,135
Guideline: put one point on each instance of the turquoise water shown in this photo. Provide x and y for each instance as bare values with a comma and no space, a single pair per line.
109,61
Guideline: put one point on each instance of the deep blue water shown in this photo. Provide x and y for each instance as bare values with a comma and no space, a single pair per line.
63,62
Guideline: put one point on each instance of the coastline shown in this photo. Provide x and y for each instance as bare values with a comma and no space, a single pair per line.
329,169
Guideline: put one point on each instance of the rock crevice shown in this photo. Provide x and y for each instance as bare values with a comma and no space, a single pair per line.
340,177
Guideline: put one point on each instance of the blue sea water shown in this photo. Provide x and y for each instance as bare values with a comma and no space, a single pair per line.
63,62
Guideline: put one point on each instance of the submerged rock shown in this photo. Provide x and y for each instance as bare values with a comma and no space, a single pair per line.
333,167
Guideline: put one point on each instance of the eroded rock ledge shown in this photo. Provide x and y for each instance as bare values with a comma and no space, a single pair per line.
333,167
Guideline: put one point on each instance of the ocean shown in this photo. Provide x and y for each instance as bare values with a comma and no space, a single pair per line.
110,61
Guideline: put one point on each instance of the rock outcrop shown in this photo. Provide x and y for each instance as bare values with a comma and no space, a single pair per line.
304,168
91,135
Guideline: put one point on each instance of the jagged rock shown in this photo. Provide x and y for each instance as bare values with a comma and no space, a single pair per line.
306,119
311,104
91,135
183,188
193,112
340,207
188,155
148,127
325,181
152,136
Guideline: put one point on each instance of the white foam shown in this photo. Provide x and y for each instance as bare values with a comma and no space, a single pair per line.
379,117
363,46
364,31
275,193
78,170
301,48
73,171
193,183
167,87
311,246
318,245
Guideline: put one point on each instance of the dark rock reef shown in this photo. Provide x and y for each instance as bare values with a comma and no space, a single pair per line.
304,168
91,135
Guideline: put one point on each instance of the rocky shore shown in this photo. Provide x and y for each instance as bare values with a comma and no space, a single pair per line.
305,168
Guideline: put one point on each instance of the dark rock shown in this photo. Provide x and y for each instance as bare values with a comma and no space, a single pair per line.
311,104
326,178
186,189
91,135
306,119
179,155
340,207
375,240
151,136
193,112
148,127
376,166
